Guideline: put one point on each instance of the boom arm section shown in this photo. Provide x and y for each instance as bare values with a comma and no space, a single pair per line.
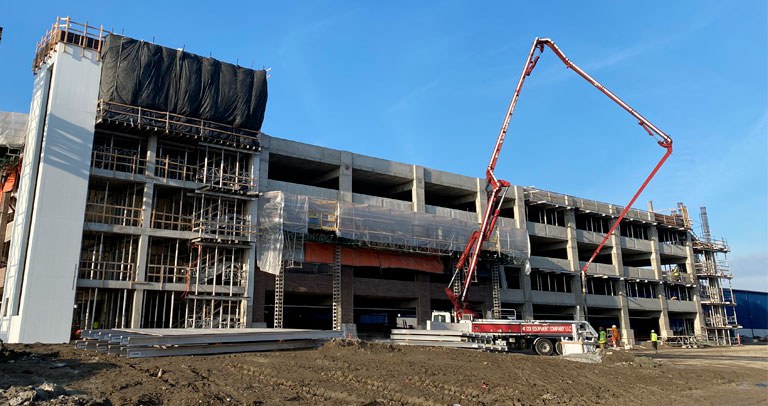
497,188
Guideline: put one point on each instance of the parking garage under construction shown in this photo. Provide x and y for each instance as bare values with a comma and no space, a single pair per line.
180,213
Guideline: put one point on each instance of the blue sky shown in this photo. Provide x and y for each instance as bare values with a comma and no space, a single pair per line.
429,83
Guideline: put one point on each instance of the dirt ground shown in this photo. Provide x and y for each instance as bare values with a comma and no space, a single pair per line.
359,373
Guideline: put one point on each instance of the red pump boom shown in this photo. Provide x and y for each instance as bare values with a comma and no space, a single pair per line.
497,188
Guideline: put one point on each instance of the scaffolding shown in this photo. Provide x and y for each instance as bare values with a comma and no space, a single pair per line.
224,170
162,309
213,312
715,289
168,261
221,218
110,257
118,116
118,154
114,203
101,308
378,227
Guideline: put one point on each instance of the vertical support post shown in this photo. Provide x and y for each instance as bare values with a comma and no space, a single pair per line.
664,325
345,177
337,305
578,282
690,266
417,190
627,334
279,292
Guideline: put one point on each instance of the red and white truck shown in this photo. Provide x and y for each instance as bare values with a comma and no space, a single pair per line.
546,337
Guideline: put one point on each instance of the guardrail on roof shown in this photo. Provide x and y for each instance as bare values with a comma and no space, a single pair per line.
69,32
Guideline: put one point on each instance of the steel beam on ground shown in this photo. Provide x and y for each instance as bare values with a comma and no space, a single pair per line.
429,338
403,331
232,337
222,349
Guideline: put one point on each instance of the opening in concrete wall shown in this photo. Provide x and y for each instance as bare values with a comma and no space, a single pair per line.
382,185
450,197
303,171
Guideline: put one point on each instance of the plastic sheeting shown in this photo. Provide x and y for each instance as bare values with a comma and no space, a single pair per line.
280,212
146,75
271,238
12,129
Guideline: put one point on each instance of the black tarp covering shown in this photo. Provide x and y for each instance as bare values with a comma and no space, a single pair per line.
141,74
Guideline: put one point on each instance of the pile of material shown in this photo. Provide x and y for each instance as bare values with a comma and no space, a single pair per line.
141,343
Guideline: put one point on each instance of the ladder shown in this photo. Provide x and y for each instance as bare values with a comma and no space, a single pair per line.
495,280
337,288
279,293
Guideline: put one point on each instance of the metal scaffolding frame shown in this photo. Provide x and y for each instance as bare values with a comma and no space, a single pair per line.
114,203
108,257
102,308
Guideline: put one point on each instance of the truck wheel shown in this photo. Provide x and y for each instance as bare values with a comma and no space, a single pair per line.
543,346
559,347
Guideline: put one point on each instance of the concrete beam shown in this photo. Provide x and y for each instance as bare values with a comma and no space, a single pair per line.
333,173
404,187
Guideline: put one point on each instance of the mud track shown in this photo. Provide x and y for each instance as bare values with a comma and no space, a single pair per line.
344,373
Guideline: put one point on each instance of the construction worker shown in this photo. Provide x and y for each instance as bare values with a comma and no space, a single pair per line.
676,274
655,341
615,336
602,337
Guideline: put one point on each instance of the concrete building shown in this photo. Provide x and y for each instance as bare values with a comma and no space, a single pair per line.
140,214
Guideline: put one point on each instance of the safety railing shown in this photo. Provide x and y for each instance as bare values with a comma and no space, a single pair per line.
559,199
175,169
232,181
69,32
105,270
171,221
118,160
323,221
113,214
173,124
720,245
167,273
229,228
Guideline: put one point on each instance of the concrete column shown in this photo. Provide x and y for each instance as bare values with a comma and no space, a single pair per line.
656,254
263,168
424,301
347,295
250,253
520,216
698,322
527,297
664,329
627,334
141,276
521,221
573,259
142,255
417,192
481,199
345,177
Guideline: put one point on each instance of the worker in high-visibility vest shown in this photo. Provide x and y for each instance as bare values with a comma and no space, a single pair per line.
655,341
602,337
